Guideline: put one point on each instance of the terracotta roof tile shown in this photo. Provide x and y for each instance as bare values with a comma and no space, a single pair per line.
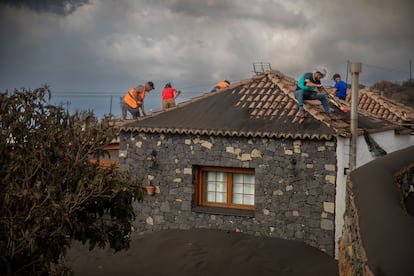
265,106
384,108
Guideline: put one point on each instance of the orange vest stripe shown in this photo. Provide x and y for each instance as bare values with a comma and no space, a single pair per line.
222,84
131,97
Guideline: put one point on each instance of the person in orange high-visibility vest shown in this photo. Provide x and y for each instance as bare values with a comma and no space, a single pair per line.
220,85
134,99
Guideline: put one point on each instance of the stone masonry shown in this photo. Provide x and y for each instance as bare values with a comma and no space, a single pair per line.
295,184
353,258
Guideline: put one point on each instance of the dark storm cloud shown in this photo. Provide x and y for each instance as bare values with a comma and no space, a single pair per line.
62,7
215,8
222,11
109,45
375,32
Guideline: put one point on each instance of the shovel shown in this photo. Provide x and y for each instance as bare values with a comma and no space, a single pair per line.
335,101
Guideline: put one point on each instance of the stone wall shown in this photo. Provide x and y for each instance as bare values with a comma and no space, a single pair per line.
352,258
377,237
295,184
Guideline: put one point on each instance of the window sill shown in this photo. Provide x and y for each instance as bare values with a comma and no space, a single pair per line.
223,211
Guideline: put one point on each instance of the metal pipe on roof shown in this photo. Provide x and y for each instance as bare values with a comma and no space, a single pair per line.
355,69
347,70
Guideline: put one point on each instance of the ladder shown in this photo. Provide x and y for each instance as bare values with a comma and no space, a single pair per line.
261,67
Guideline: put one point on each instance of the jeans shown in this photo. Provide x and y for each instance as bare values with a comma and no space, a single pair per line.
301,95
215,88
134,111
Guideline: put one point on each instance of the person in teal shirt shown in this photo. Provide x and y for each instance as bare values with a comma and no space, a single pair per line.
307,89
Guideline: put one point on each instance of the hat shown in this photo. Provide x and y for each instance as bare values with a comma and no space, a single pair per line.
320,70
336,76
151,84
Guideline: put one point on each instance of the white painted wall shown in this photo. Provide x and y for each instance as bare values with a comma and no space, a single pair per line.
387,140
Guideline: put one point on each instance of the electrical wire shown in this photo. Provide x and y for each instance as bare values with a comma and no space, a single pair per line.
384,68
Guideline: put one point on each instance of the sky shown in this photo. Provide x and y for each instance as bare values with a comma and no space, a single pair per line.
91,52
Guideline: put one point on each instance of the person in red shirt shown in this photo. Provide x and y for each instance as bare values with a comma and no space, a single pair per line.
168,96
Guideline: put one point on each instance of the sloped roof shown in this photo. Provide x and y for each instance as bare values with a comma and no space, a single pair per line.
263,106
384,108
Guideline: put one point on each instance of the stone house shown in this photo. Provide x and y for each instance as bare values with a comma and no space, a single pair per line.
111,157
241,160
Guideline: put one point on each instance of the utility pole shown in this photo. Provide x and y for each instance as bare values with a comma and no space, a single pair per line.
67,106
110,107
410,71
355,70
347,70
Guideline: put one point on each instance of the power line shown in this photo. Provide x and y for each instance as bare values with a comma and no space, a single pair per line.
200,86
384,68
80,93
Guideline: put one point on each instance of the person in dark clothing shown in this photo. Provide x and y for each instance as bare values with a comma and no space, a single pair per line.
307,89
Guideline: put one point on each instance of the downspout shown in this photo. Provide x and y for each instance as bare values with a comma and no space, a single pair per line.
341,188
355,69
342,196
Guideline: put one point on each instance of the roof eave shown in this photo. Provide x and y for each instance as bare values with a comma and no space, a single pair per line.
228,133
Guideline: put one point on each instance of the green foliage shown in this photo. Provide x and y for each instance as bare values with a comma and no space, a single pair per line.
50,193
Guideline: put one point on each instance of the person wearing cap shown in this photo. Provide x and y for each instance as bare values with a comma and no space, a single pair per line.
340,87
307,89
134,99
169,94
221,85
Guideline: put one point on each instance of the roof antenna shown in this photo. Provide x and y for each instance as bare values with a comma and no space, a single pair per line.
261,67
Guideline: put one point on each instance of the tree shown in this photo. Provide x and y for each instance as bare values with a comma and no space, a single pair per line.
50,193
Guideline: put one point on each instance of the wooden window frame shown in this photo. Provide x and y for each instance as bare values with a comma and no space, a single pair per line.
200,187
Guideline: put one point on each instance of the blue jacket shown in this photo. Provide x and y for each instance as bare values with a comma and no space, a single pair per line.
341,88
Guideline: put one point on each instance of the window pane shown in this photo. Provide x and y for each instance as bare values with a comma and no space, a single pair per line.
249,179
237,178
211,186
238,188
211,196
221,176
221,187
221,197
248,199
216,187
211,176
249,189
243,189
237,199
